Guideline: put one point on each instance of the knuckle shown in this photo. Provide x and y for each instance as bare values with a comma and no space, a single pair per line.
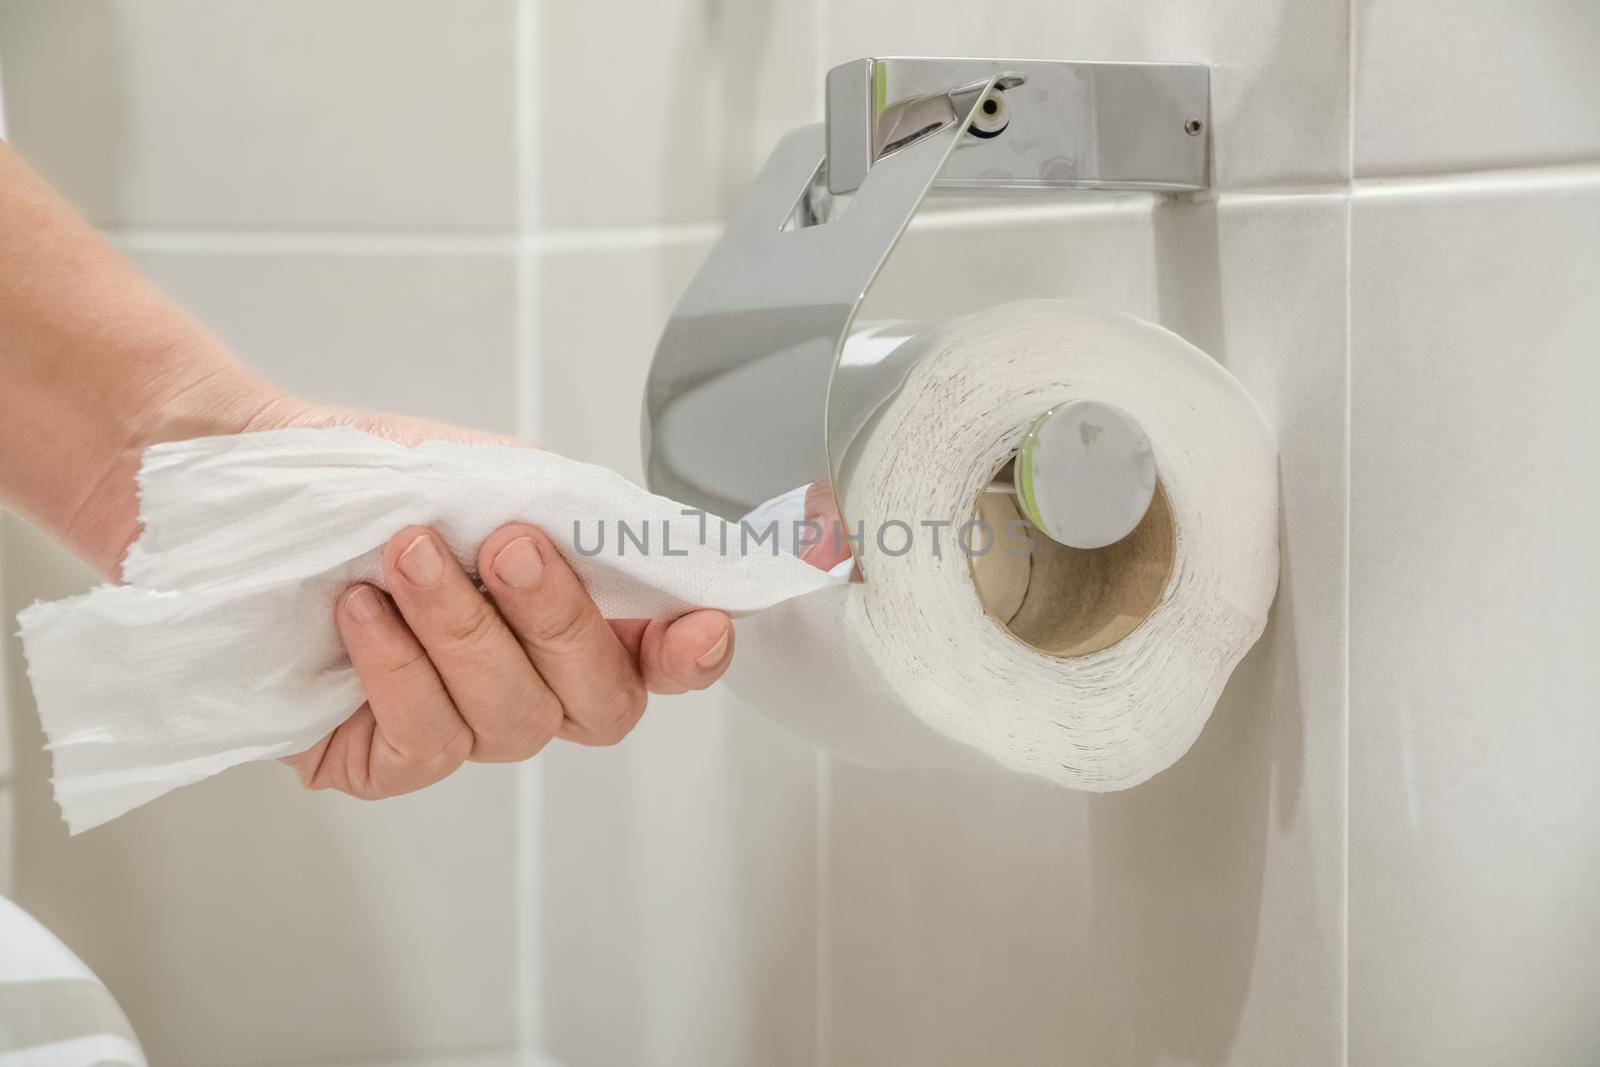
438,747
532,736
632,701
522,735
614,735
601,737
545,718
621,714
456,748
471,626
436,756
374,791
566,622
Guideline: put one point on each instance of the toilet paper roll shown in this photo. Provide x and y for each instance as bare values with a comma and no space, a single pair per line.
1093,669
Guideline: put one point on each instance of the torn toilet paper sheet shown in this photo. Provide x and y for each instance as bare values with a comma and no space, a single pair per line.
221,648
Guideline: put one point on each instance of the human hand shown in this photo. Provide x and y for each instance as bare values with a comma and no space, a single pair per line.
831,547
454,674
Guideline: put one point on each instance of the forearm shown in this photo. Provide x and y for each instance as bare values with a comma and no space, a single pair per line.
95,363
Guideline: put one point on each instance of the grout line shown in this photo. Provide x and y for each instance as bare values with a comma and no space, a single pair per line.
9,822
535,242
528,914
317,242
487,1057
1531,179
1295,191
529,240
822,788
1349,395
530,194
821,797
819,59
627,237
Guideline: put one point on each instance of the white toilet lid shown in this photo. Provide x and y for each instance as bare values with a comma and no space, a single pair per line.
54,1012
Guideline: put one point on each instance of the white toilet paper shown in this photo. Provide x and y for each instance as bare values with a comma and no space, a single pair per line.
909,667
221,648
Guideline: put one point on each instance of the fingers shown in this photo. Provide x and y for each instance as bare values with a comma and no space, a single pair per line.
450,676
512,713
408,734
686,654
561,631
831,548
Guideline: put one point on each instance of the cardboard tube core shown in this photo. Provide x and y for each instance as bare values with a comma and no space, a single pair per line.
1073,601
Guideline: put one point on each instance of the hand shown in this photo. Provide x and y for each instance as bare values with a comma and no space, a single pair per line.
831,549
453,674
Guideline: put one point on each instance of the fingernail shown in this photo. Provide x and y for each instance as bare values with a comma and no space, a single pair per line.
518,564
420,562
712,656
363,603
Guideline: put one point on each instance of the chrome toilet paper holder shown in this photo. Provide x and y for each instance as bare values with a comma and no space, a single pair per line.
748,369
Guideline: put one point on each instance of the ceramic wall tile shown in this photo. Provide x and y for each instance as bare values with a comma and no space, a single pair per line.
677,893
422,333
1449,87
661,112
198,114
602,310
1474,806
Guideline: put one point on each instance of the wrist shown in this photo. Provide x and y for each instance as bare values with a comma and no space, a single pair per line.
218,396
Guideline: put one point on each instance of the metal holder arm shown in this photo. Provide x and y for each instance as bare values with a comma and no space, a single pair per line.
745,398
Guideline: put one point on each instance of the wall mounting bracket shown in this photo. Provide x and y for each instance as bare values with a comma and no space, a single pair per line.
747,396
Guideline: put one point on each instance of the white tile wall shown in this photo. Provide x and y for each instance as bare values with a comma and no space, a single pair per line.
203,114
678,890
1505,83
370,200
420,331
1474,804
661,112
604,306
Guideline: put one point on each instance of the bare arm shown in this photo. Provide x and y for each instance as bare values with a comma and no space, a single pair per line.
96,364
